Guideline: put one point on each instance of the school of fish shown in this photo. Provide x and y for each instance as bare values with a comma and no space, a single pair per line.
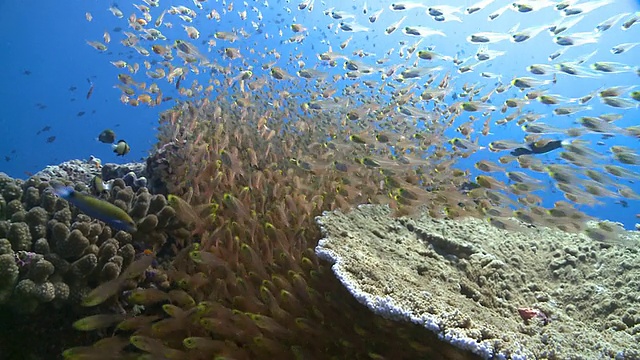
408,110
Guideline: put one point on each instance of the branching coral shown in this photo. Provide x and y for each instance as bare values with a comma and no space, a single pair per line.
52,255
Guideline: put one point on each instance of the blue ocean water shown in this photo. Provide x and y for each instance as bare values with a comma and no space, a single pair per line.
48,69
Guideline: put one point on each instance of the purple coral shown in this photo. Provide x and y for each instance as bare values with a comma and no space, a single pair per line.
24,258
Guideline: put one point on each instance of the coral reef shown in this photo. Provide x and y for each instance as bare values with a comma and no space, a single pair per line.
73,170
52,255
79,171
235,237
533,293
271,136
240,277
247,283
114,171
157,167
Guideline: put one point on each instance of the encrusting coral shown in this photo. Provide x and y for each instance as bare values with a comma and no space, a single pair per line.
246,283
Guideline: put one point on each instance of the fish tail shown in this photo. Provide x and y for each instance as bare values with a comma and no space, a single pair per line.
64,192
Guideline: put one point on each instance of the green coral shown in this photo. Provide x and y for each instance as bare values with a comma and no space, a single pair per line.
41,246
148,223
165,215
48,201
24,299
62,291
37,218
13,207
82,268
128,253
63,215
44,292
73,246
19,236
40,271
31,197
29,294
5,247
141,205
8,274
109,271
12,191
3,207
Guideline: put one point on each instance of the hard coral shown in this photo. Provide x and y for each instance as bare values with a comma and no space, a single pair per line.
245,282
52,256
9,272
61,254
